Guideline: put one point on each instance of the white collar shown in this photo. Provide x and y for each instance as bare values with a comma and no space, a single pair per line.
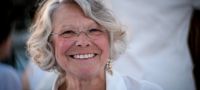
113,82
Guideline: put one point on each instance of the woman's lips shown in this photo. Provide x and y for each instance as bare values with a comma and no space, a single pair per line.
83,56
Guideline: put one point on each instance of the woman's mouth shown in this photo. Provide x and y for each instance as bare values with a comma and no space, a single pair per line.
83,56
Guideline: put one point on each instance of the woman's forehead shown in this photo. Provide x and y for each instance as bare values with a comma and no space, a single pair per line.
71,16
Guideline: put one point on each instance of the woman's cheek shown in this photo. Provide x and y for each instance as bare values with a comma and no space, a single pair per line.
103,44
64,46
60,47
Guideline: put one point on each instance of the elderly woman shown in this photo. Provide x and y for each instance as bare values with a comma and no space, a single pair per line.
79,38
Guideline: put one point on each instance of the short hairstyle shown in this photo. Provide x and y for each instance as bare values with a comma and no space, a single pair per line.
39,47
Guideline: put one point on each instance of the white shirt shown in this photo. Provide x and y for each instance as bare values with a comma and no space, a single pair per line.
118,82
157,46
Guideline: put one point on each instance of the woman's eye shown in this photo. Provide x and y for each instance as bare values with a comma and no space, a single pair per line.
95,31
68,33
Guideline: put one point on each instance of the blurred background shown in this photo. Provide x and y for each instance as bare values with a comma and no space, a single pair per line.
22,12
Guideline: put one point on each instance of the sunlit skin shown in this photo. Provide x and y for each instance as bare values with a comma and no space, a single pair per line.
87,73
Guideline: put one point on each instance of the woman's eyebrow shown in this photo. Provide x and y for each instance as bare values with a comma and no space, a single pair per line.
68,27
96,25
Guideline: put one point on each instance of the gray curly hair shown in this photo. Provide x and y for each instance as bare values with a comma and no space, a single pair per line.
39,47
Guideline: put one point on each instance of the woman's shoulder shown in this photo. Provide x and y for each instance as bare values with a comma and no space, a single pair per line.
126,82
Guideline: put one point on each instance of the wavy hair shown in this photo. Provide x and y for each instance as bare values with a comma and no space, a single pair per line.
39,47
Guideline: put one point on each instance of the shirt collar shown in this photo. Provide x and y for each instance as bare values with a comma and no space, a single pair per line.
113,82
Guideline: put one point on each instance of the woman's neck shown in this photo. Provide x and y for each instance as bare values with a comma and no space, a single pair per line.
92,83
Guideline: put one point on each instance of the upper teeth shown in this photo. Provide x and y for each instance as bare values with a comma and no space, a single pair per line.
83,56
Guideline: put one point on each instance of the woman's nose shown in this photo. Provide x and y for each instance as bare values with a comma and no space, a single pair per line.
83,40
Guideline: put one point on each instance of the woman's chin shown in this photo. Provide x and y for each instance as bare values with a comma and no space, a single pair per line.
88,72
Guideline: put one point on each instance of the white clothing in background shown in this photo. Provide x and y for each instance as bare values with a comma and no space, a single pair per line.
157,41
39,79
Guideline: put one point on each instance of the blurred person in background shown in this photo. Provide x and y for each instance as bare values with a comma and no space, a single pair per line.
9,78
158,41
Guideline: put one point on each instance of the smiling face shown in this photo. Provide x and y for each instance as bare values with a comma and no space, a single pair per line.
80,55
